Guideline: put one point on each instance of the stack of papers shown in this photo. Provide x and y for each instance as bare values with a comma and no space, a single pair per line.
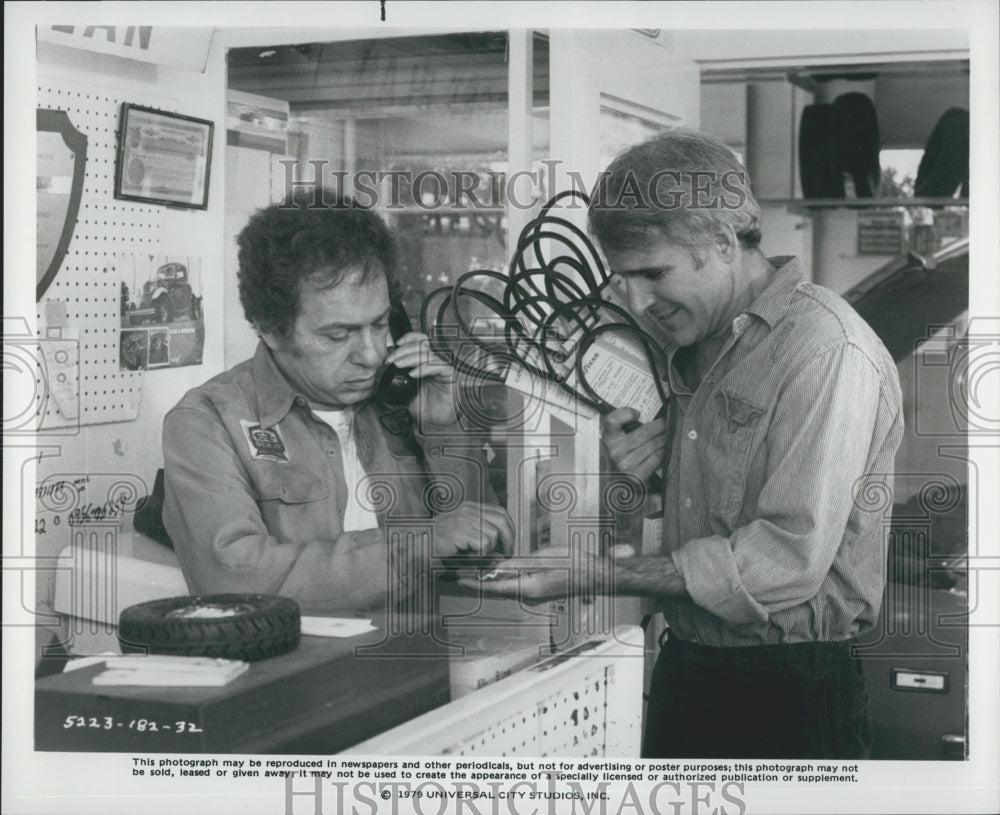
162,670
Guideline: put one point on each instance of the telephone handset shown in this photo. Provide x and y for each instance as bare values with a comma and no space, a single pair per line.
397,387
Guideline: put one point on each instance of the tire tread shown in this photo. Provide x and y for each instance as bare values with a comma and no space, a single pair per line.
272,628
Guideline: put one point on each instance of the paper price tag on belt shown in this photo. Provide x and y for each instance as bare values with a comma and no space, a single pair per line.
614,367
620,383
616,371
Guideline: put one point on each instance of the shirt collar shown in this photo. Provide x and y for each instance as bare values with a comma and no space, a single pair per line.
275,396
341,419
772,304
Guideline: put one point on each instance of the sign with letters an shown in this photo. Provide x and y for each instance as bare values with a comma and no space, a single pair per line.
164,45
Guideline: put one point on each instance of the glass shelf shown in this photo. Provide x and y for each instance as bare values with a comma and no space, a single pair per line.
806,206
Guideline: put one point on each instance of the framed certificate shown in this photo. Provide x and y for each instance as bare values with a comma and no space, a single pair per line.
163,158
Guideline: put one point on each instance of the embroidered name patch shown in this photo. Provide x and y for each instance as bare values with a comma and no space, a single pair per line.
265,443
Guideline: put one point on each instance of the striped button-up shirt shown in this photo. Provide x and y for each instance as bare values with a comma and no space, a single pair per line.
779,479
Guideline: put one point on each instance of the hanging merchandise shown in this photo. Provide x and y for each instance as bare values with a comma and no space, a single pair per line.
856,144
944,168
551,327
839,148
818,169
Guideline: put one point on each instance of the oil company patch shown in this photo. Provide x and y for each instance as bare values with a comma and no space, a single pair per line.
265,442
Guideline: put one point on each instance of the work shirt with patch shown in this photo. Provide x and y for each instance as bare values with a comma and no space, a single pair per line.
779,479
256,493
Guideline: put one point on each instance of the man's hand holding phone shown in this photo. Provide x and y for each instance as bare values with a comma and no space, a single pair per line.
434,405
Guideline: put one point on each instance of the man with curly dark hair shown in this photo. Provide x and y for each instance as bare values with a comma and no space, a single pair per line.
283,475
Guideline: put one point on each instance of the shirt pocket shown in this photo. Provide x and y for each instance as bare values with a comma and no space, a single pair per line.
291,486
295,506
734,425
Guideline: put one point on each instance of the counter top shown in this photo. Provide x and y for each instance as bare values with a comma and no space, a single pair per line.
324,695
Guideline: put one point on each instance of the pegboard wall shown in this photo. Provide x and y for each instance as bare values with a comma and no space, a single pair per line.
88,282
585,702
571,722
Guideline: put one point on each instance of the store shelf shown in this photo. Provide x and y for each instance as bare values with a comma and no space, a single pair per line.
806,206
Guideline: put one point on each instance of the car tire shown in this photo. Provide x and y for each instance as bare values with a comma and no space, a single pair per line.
230,626
857,142
164,314
818,170
944,167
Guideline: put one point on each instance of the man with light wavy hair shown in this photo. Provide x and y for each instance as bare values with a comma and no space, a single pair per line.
788,416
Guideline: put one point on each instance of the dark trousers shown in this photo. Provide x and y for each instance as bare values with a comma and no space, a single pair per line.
805,700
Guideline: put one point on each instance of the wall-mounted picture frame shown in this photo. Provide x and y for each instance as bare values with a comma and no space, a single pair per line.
163,158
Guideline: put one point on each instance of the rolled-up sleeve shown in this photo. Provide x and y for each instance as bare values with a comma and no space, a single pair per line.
214,521
817,445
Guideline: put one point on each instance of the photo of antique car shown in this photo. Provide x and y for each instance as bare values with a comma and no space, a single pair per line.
166,297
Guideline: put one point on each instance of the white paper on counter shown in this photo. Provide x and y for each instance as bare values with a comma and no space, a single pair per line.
335,626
